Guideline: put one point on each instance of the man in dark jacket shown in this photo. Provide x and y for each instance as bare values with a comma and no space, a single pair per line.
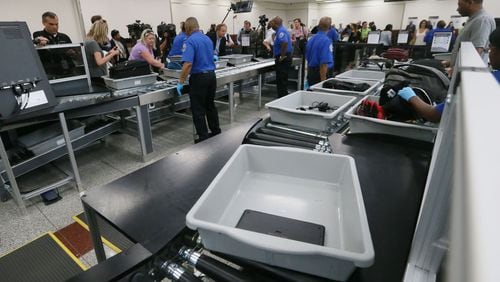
221,40
117,40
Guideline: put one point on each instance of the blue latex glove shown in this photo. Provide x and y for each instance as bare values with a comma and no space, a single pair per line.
306,85
180,86
216,58
407,93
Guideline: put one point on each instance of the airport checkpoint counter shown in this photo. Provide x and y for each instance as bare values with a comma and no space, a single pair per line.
149,206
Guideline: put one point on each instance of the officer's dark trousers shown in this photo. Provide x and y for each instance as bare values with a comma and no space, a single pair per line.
313,75
202,95
282,69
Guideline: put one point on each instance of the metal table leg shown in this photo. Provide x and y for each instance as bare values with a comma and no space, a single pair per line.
95,234
144,128
259,92
71,153
299,80
12,179
231,102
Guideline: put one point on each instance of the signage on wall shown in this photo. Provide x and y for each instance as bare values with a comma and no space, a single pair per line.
412,20
457,21
433,20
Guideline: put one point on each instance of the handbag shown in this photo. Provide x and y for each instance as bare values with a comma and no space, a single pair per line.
129,69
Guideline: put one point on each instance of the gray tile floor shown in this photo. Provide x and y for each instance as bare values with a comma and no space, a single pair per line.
101,163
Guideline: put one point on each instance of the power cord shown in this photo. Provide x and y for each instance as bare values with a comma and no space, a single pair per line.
321,106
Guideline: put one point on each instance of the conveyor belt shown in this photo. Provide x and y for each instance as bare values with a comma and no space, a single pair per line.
110,236
44,259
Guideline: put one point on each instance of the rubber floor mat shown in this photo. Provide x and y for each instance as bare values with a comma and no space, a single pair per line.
111,237
43,259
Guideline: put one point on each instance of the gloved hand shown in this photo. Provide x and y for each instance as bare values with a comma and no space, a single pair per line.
306,85
407,93
216,58
180,86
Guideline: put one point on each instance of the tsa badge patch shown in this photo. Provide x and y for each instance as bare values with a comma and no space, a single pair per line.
183,47
331,47
282,35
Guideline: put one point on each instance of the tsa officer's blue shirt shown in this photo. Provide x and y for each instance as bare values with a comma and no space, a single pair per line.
333,35
199,52
178,45
319,51
282,36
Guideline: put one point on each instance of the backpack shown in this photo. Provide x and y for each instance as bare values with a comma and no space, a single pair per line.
429,83
129,69
429,79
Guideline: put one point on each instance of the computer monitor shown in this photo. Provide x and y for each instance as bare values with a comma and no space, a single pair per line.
24,87
242,7
403,37
66,68
441,42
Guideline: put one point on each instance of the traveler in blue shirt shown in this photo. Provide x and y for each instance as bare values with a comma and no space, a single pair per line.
319,53
434,113
440,27
198,60
178,48
282,51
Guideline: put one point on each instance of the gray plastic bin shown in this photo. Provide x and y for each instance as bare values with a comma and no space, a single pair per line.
362,124
237,59
49,137
285,110
363,75
130,82
221,64
298,184
374,85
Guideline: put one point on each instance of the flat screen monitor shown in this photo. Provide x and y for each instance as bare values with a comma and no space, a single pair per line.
403,37
373,37
441,42
67,69
24,87
243,7
64,62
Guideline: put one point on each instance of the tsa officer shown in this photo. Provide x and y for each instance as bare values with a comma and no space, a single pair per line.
319,53
282,50
198,61
178,48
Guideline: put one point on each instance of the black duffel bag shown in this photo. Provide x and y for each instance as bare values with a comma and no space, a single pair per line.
129,69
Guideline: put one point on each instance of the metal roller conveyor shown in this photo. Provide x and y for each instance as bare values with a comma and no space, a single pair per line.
273,138
211,267
284,134
229,75
178,273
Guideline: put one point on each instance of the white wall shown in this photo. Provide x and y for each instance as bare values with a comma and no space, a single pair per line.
444,9
378,11
297,10
120,13
212,12
31,11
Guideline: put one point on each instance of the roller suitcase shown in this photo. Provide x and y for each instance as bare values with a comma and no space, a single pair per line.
129,69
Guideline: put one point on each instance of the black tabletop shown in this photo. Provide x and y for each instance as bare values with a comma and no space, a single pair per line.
153,202
150,205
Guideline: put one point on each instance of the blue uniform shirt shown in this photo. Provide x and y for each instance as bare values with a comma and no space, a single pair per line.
496,74
319,51
199,52
333,35
178,45
282,36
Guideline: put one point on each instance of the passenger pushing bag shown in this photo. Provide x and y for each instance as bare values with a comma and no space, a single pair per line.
129,69
430,84
430,79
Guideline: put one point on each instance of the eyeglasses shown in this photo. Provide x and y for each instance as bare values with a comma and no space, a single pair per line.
148,32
